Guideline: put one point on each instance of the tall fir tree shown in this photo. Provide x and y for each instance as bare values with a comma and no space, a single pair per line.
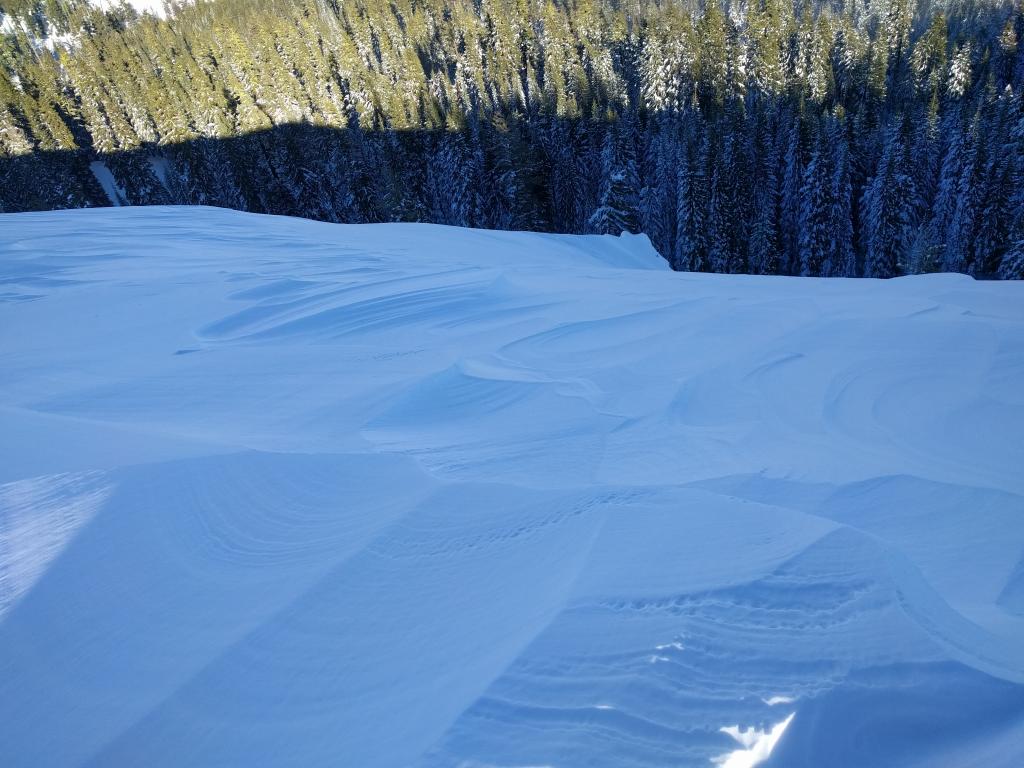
886,211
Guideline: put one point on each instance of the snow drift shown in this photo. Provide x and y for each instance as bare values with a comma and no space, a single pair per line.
282,493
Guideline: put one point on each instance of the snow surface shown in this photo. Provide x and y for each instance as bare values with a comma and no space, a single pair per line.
158,8
115,195
283,493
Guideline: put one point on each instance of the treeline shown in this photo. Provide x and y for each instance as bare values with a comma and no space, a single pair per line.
875,139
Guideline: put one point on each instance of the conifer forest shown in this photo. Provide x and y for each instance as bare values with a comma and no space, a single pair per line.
848,138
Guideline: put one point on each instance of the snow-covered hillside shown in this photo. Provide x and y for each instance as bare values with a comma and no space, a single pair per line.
282,493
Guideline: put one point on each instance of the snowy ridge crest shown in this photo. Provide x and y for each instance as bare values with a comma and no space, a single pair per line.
284,493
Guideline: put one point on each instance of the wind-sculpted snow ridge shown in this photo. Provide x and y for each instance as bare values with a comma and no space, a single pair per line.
281,493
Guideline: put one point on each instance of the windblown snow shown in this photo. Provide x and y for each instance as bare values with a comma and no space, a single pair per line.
283,493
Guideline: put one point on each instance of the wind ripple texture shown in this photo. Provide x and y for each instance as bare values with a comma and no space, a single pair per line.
284,493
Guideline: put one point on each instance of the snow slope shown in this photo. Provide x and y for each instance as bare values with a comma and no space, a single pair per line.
283,493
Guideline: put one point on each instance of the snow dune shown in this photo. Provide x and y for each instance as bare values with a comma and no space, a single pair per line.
284,493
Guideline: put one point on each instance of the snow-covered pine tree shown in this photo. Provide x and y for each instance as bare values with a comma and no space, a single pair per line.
762,242
691,251
657,198
814,242
996,184
618,210
789,206
717,223
886,211
450,175
842,259
1012,265
959,235
402,83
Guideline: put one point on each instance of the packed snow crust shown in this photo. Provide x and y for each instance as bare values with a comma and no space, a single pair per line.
284,493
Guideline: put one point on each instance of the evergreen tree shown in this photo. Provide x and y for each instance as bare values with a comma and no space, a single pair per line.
878,137
887,212
1012,265
691,211
815,214
841,260
792,179
618,210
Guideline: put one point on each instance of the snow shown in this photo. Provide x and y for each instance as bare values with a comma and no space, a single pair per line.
52,38
757,745
158,8
160,168
283,493
103,175
56,39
